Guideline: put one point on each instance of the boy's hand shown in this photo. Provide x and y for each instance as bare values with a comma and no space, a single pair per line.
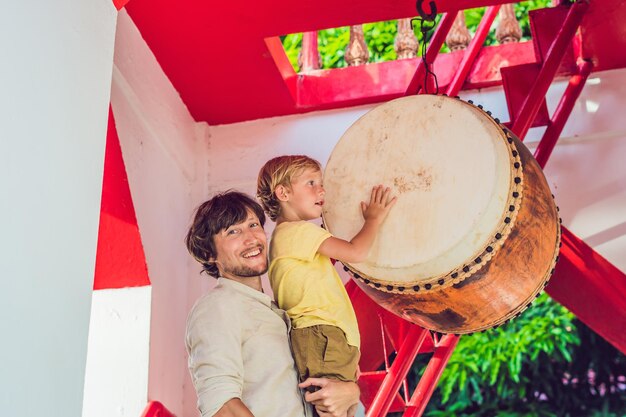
357,249
380,204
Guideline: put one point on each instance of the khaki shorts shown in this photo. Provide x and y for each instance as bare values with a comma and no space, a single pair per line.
323,351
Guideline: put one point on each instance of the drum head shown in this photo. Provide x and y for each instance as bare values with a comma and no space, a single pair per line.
448,163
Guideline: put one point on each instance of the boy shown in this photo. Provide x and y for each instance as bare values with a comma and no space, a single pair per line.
325,336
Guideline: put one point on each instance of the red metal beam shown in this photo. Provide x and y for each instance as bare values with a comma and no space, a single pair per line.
562,113
517,81
374,344
397,372
428,382
591,288
432,52
472,50
549,68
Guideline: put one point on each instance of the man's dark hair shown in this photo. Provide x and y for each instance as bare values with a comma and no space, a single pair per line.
213,216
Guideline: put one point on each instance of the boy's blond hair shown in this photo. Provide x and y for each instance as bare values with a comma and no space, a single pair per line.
280,171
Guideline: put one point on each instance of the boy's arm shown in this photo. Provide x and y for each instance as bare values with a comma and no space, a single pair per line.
374,213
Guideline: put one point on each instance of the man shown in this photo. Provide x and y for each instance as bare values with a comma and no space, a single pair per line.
237,339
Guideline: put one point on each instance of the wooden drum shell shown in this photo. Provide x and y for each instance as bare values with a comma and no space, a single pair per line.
504,286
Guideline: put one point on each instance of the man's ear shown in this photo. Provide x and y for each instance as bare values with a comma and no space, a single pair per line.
282,193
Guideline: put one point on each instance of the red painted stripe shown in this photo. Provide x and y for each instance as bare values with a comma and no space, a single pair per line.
120,260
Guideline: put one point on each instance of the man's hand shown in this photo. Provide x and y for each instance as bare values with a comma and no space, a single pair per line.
334,398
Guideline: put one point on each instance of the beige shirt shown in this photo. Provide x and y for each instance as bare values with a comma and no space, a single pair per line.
238,346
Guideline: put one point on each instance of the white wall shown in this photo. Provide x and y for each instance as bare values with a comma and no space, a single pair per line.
166,169
55,81
588,173
116,378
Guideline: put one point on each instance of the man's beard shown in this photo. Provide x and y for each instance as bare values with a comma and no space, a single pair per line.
245,272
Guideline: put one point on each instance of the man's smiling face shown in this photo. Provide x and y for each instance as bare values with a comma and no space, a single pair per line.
241,249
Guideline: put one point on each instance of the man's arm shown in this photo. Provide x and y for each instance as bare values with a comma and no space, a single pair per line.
233,408
213,342
334,398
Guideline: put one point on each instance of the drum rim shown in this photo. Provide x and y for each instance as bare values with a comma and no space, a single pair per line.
480,257
523,306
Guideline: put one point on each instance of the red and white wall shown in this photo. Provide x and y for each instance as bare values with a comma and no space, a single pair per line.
136,350
66,94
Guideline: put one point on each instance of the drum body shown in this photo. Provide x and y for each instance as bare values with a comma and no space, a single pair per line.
475,233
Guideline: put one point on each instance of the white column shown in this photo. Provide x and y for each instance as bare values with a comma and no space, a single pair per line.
55,81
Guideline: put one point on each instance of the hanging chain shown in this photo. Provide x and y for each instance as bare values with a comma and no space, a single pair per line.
426,24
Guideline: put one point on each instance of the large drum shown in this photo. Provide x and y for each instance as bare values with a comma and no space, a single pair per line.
474,235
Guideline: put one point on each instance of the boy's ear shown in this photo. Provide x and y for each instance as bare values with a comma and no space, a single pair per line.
282,193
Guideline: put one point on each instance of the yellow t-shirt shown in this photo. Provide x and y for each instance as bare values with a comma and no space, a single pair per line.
305,283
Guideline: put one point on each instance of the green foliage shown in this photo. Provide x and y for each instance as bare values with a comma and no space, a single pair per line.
331,44
494,359
473,17
380,36
521,13
544,363
292,44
